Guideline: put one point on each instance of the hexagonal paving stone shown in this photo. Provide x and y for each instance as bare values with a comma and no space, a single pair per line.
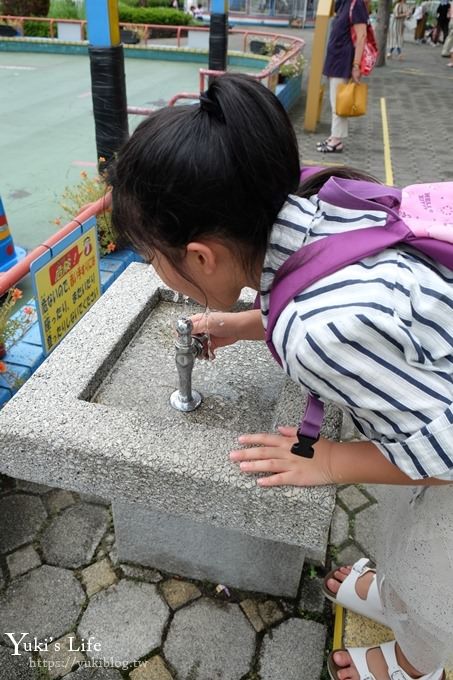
22,560
293,651
177,593
366,524
85,524
45,603
127,621
213,641
16,667
22,517
311,596
339,528
88,673
348,555
352,497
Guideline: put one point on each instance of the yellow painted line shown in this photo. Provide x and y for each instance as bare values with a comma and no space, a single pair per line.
338,627
324,164
386,140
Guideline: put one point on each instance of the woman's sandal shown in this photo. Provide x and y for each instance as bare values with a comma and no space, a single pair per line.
324,141
327,147
358,657
347,595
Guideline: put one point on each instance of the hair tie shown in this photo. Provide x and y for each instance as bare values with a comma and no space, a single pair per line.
211,106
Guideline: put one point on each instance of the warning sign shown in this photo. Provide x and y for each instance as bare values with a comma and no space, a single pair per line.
67,283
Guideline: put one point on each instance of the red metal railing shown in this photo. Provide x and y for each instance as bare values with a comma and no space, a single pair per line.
295,47
11,277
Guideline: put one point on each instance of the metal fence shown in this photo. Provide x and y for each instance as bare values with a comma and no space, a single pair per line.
285,9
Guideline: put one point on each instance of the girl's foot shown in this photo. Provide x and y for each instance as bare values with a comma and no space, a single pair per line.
355,588
381,663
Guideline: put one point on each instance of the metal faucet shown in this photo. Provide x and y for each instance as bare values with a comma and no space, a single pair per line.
188,348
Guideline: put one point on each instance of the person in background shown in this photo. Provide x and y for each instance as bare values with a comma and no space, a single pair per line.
343,63
420,16
198,13
396,31
443,20
447,49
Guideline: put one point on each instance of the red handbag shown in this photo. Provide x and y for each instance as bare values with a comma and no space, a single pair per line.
370,49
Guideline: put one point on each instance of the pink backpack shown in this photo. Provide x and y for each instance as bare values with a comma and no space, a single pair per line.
420,215
370,50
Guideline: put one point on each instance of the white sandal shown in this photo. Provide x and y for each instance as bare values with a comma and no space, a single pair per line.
395,672
347,595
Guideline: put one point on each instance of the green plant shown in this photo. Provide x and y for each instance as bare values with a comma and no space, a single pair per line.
155,15
26,8
88,190
13,327
292,67
66,9
36,29
146,3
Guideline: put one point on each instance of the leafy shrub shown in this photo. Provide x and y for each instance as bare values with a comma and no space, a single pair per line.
36,29
65,9
156,15
146,3
26,8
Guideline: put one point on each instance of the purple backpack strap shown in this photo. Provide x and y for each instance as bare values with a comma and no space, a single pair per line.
327,255
330,254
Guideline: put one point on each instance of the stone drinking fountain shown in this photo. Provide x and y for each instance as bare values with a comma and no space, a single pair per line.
96,418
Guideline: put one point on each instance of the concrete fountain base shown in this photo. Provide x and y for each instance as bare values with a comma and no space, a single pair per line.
95,418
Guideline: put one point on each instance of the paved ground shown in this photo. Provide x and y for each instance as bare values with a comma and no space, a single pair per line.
59,573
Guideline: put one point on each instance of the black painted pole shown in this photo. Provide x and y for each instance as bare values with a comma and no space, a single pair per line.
108,82
218,36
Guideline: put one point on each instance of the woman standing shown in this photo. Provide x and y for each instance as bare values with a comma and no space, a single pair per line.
343,63
420,16
396,32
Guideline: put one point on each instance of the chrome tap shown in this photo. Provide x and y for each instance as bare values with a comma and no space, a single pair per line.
188,347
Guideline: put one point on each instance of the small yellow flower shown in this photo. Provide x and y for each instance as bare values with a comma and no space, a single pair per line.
2,367
111,247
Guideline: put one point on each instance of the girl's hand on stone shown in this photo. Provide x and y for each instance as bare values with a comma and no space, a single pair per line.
272,453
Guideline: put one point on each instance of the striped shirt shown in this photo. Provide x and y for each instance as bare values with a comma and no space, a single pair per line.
375,338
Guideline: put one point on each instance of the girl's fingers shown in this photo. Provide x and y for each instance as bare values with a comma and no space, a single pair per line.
260,439
270,465
280,479
287,431
259,453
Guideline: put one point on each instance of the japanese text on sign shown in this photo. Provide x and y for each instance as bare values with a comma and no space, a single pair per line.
67,286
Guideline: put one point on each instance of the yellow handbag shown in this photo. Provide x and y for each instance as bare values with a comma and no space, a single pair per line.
351,99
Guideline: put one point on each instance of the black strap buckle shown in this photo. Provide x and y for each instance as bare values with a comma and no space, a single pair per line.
304,447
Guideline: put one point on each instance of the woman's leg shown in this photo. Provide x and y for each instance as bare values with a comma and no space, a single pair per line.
339,128
448,44
415,557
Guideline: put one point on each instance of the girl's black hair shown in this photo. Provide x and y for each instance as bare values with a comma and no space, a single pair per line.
221,169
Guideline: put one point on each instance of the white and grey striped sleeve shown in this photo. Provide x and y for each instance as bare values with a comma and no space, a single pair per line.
358,359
